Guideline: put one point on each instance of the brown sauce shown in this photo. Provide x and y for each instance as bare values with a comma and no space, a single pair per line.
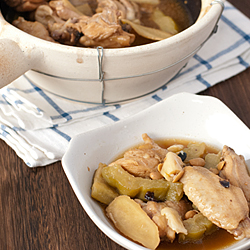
173,8
178,11
217,240
165,143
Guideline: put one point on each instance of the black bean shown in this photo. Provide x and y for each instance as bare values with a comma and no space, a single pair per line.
182,155
225,183
150,196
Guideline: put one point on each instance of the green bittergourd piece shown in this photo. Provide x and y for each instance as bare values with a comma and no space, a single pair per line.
137,187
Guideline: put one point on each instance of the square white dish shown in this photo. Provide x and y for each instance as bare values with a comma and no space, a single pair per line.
184,116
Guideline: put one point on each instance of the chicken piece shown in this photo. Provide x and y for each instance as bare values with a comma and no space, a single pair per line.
152,207
45,15
182,206
25,5
62,11
223,204
53,17
235,171
111,4
242,231
67,32
127,9
153,210
103,29
33,28
59,19
101,25
142,162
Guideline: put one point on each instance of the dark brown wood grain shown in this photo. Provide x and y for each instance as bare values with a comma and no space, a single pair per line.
39,210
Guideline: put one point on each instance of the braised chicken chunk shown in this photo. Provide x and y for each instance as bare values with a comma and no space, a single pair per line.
62,11
143,161
235,170
104,29
153,210
242,231
208,193
126,9
33,28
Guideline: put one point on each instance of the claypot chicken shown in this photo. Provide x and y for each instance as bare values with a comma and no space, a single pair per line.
180,193
106,23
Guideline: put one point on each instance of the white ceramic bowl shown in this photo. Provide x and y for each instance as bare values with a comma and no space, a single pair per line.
74,73
187,116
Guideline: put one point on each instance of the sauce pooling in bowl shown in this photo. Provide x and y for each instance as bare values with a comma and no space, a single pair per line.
218,240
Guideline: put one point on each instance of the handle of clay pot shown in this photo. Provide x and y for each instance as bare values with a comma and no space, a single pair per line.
15,61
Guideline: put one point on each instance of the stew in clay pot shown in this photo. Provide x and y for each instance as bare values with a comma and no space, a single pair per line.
106,23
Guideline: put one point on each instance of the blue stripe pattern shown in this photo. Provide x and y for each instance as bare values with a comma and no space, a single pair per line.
242,62
157,98
202,61
63,135
200,79
52,103
199,62
235,28
244,38
111,116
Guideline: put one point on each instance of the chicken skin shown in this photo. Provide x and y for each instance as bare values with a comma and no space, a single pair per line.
212,194
143,162
235,170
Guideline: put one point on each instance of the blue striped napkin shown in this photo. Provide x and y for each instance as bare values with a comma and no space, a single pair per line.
39,125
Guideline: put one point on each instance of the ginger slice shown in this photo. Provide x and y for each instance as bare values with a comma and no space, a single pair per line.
130,219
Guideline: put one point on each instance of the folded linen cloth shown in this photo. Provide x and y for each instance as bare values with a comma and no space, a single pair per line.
39,125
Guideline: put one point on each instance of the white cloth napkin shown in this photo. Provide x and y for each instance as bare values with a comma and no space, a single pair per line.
39,125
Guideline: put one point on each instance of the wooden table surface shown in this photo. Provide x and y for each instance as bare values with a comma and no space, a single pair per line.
38,208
